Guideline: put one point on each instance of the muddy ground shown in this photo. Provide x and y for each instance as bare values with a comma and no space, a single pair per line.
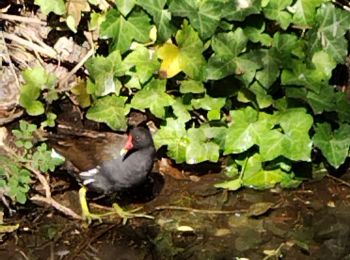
194,220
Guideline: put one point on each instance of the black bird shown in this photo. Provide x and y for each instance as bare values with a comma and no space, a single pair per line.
107,163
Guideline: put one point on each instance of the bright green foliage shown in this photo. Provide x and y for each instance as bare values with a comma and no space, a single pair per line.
227,46
104,72
161,17
24,134
43,161
110,110
246,79
143,62
55,6
203,15
334,145
15,178
153,96
123,31
328,34
36,80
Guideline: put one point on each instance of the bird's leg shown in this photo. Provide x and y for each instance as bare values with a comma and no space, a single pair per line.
87,215
124,214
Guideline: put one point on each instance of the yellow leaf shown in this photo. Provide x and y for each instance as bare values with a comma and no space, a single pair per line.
83,97
170,56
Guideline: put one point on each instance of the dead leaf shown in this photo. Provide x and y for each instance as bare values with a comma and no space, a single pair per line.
259,208
74,10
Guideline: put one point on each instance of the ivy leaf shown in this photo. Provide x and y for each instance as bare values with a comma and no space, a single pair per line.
144,62
254,176
55,6
203,15
342,106
191,86
304,11
36,79
122,32
110,110
334,145
125,6
146,97
200,149
247,129
186,57
227,46
322,101
292,141
328,33
208,103
256,34
239,10
174,136
180,111
80,91
161,17
311,78
263,99
104,72
270,64
230,185
276,10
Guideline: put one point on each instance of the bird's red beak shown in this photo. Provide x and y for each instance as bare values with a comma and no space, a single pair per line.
128,146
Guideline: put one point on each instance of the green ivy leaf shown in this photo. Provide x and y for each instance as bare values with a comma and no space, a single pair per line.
104,72
227,46
161,17
328,33
174,136
312,78
239,10
191,48
125,6
200,149
203,15
230,185
304,11
110,110
153,96
191,86
334,145
342,106
180,111
247,129
122,31
270,67
208,103
143,61
55,6
276,10
292,141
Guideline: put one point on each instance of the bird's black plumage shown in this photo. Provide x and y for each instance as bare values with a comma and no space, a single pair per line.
123,171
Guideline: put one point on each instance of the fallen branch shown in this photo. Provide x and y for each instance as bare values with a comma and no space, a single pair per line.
339,180
23,19
202,211
49,52
50,201
64,81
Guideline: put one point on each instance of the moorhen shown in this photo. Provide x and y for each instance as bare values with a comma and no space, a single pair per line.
107,163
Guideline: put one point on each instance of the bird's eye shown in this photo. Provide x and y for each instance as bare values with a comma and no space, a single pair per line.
137,138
